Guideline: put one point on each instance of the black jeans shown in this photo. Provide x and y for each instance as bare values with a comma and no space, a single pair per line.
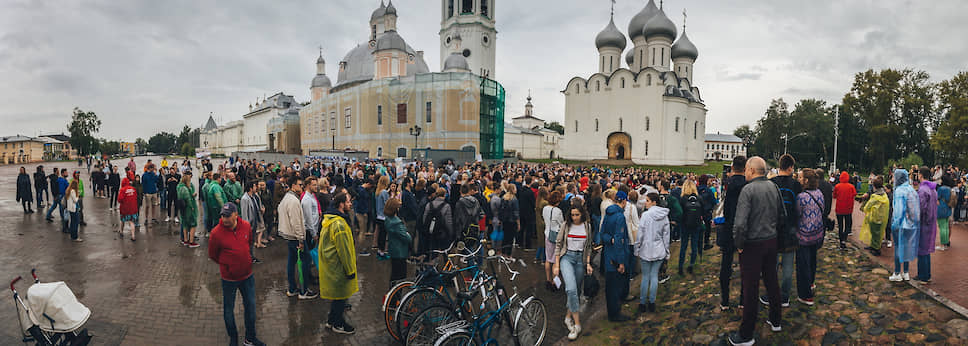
758,260
616,288
398,269
806,269
381,234
113,195
336,310
510,234
844,225
525,233
247,288
726,274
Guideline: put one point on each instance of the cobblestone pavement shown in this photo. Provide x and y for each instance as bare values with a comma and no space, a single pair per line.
156,292
855,304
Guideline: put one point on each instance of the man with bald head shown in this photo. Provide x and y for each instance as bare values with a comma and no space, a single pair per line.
759,214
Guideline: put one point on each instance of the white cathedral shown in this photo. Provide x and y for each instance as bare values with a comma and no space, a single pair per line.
650,112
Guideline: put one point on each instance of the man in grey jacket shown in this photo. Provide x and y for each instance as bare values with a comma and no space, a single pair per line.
251,212
758,213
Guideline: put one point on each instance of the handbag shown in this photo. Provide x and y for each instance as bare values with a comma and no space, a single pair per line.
590,286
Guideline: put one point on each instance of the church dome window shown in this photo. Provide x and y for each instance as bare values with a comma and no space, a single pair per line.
485,39
677,124
576,125
598,85
623,83
648,79
648,123
596,125
620,124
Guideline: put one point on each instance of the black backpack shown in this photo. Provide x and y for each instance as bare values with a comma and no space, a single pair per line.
435,224
786,224
691,211
506,212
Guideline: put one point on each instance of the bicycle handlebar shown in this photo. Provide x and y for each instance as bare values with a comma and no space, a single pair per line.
33,272
14,282
464,257
507,264
447,250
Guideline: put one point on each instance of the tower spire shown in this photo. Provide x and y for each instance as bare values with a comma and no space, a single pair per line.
613,9
683,20
660,4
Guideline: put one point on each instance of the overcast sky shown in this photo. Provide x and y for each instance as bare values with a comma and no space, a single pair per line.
150,66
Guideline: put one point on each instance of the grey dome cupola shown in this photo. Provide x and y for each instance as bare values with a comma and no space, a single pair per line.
379,12
639,20
660,25
684,48
390,40
610,37
390,9
321,80
456,61
320,60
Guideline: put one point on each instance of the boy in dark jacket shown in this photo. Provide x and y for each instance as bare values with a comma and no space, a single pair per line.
615,239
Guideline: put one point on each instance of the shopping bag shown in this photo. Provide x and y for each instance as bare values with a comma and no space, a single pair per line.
299,273
865,233
314,255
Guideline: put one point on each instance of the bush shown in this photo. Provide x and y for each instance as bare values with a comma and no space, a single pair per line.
906,162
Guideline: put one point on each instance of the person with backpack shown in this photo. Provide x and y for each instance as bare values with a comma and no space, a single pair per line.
928,200
438,223
786,237
810,231
692,214
40,186
495,201
510,216
876,212
946,202
733,186
615,240
708,203
844,193
185,204
171,192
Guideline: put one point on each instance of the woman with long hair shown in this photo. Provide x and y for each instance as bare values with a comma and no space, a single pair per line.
573,260
692,221
71,198
553,220
24,195
512,222
382,196
593,202
189,213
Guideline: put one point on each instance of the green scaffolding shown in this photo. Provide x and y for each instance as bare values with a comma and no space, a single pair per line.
492,119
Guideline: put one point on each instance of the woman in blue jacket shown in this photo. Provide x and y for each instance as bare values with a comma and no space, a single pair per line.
615,241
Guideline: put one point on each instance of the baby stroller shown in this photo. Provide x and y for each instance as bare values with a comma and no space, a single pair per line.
51,314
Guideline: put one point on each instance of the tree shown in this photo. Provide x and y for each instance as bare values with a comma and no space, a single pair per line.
109,147
770,129
554,125
139,146
810,133
184,137
746,134
187,150
83,126
950,140
163,142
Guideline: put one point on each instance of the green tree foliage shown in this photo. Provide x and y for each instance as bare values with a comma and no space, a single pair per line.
554,125
82,127
745,133
950,140
184,137
163,142
187,150
770,129
109,147
140,146
811,140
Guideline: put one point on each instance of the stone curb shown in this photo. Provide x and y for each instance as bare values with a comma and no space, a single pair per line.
961,310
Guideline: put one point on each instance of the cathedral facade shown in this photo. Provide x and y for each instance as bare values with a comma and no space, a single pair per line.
649,111
387,102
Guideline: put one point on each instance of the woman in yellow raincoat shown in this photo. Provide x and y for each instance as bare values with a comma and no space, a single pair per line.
337,262
875,220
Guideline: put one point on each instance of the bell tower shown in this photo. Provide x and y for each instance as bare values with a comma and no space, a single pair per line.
474,20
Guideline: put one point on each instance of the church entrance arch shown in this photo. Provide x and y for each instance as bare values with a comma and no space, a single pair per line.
619,146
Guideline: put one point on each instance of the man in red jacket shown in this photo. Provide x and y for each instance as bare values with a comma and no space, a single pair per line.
844,194
228,245
128,205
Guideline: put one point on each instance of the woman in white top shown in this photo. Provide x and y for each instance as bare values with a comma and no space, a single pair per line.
573,252
72,199
651,247
553,219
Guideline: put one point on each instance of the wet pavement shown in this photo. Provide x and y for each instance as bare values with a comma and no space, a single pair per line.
156,292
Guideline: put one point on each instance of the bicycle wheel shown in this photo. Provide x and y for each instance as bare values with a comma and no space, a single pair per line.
531,322
456,338
390,304
412,304
423,330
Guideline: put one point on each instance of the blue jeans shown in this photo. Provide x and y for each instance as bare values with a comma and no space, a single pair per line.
787,260
40,196
294,285
162,193
54,202
73,225
924,267
596,221
897,262
690,237
650,280
572,273
247,288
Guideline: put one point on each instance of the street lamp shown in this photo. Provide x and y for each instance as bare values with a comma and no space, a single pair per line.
415,132
786,139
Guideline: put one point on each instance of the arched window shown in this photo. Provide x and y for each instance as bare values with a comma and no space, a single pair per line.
695,129
677,124
577,88
648,123
620,124
596,125
598,85
646,148
623,83
648,79
379,152
576,125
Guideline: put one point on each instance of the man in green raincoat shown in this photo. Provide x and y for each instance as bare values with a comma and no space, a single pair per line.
337,262
216,198
189,215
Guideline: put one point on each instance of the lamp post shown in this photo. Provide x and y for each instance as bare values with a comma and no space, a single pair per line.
415,132
786,139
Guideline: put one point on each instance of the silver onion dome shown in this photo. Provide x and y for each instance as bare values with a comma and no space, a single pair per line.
639,20
378,12
660,25
456,61
321,81
610,37
684,48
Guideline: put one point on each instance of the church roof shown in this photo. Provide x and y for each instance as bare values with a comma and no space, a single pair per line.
638,21
684,48
61,137
610,37
321,81
660,25
378,12
528,117
357,65
456,61
718,137
210,124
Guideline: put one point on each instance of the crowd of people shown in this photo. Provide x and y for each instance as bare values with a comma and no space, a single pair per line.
571,219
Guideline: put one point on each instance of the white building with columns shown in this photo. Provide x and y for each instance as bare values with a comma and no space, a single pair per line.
649,111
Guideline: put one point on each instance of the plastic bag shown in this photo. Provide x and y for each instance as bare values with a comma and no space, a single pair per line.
865,233
299,276
314,255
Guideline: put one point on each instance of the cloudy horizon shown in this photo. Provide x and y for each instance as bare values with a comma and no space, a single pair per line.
147,66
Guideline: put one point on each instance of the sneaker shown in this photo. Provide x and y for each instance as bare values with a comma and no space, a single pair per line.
167,219
642,308
808,301
308,295
906,276
651,307
184,243
253,342
723,307
256,260
569,323
785,303
364,253
736,339
663,279
889,244
774,327
343,328
575,332
177,221
689,269
293,294
764,300
193,245
78,240
896,277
